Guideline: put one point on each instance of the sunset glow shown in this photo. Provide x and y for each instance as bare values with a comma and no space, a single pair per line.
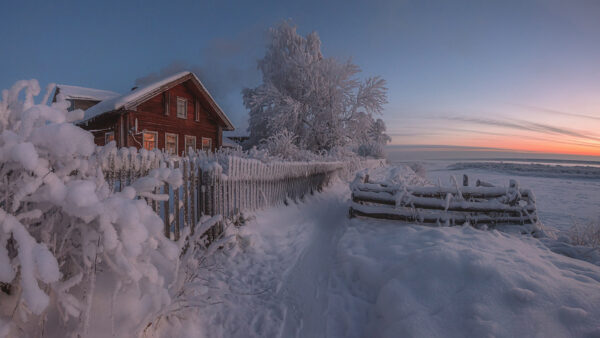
544,131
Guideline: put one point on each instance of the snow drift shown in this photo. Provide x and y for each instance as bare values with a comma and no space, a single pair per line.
415,281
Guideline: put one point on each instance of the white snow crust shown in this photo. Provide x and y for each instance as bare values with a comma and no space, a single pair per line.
83,93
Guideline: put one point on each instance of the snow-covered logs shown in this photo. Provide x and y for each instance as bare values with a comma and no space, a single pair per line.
445,205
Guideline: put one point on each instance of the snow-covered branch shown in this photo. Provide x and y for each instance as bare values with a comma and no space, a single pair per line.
60,224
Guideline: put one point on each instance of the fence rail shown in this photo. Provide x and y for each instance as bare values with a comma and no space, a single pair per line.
444,205
224,187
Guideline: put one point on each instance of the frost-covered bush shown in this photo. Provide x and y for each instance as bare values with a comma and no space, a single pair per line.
277,148
585,234
62,230
282,145
419,169
371,149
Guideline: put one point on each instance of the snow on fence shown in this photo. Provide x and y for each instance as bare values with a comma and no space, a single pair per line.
444,205
224,187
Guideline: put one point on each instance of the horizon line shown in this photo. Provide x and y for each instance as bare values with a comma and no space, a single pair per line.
446,147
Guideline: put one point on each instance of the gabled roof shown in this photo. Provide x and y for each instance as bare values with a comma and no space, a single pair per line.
82,93
139,95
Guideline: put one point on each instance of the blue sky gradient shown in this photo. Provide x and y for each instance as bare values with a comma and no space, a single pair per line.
509,74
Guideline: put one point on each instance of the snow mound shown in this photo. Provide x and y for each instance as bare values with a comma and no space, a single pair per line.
414,281
399,174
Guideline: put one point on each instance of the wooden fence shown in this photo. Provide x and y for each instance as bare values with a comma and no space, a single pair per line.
225,186
445,205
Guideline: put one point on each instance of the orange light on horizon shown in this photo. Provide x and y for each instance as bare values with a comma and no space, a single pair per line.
528,145
516,144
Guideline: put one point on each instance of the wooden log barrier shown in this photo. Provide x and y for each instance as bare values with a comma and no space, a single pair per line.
436,216
444,205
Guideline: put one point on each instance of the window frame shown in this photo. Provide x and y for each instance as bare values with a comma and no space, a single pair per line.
185,142
196,110
106,135
185,107
176,143
209,145
155,139
166,102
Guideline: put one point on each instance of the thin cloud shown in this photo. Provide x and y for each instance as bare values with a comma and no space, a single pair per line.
526,126
441,130
445,147
557,112
529,137
401,134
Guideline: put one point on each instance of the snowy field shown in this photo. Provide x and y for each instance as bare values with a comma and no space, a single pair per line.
307,270
565,194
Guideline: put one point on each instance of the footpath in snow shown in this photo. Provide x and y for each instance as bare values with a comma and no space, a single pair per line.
306,270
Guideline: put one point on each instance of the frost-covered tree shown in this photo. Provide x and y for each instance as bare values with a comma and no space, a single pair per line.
62,229
283,145
319,100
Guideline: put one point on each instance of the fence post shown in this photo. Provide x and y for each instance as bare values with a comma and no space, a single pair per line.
201,192
155,205
176,208
236,186
193,192
121,172
167,211
215,196
111,173
208,198
186,193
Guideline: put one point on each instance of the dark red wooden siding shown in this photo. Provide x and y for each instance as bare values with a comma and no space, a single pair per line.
151,117
101,125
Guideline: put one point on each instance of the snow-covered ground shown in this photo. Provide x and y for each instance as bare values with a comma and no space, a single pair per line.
307,270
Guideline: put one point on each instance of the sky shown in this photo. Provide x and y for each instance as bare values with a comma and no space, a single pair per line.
512,75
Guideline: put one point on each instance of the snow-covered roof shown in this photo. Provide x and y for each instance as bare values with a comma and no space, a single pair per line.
82,93
229,143
141,94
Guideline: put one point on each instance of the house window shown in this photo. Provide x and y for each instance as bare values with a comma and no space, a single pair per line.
109,136
171,143
196,110
150,140
181,108
190,142
206,144
166,101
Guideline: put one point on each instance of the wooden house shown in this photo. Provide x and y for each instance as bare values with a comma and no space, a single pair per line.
172,114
